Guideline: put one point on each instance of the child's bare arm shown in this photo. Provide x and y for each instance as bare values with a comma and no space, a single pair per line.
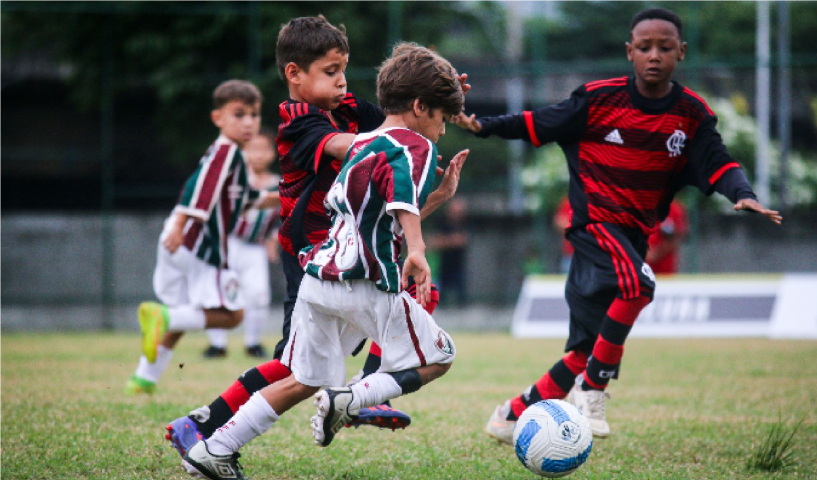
753,205
416,264
448,187
338,145
175,235
268,200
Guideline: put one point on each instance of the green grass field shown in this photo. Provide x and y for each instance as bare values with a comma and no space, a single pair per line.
683,409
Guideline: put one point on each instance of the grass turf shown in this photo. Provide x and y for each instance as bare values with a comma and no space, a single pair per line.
682,409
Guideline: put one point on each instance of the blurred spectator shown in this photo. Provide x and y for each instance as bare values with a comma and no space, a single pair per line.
665,243
451,240
561,220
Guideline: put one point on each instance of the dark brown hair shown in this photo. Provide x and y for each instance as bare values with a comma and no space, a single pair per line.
415,72
306,39
231,90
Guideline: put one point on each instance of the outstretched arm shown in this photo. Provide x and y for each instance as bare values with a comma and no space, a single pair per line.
466,122
448,187
753,205
416,264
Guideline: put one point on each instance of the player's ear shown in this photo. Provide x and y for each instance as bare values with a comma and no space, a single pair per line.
418,107
291,71
629,48
215,115
683,51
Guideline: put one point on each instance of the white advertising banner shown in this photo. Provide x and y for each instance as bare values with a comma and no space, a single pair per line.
774,306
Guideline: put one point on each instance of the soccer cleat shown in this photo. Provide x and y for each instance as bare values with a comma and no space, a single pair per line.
136,386
499,427
382,416
183,433
591,404
256,351
333,413
214,352
214,467
153,320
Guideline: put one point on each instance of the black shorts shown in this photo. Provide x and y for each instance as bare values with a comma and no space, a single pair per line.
608,263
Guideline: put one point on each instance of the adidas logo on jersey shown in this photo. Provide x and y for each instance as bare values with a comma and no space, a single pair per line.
614,137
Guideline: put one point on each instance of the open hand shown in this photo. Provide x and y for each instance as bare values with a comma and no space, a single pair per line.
469,123
416,266
753,205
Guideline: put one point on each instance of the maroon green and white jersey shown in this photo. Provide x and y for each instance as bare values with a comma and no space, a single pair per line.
384,171
256,226
216,195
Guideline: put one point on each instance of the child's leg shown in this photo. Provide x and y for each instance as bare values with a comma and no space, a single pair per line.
217,338
553,385
609,348
258,415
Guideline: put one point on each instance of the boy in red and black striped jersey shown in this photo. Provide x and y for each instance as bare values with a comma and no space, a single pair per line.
631,144
319,123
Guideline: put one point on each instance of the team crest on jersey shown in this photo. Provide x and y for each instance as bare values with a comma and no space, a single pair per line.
443,343
646,270
231,289
676,143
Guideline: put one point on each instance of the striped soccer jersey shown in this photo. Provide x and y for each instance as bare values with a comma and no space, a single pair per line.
256,226
628,155
385,170
216,195
307,172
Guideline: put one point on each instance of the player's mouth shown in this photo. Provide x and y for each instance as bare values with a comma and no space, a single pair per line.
653,71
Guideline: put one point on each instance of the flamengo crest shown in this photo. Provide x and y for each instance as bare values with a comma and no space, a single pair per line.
676,142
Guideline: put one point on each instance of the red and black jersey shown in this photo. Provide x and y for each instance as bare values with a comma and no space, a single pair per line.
627,154
307,173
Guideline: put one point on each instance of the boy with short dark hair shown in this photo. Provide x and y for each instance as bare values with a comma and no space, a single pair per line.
319,122
192,278
355,285
631,144
252,246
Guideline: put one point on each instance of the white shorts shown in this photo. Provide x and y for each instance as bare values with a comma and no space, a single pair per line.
250,262
329,321
181,278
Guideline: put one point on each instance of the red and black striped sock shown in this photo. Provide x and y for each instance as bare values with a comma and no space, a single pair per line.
604,363
227,404
553,385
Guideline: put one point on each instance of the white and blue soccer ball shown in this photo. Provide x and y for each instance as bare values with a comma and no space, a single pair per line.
552,438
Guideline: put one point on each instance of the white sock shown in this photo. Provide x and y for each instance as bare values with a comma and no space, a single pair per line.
374,390
152,371
185,318
254,318
253,418
218,337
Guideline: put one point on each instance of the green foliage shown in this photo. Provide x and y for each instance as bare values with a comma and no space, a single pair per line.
776,451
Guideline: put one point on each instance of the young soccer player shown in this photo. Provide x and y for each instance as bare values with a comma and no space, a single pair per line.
631,144
319,122
354,287
251,247
192,279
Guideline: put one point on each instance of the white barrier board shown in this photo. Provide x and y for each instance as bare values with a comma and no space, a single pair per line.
774,306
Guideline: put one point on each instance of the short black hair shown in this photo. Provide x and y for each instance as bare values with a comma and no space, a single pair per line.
658,14
306,39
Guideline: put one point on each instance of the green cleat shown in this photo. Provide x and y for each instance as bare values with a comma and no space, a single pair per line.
153,320
137,386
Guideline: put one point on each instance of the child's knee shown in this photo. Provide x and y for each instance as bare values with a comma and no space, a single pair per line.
235,318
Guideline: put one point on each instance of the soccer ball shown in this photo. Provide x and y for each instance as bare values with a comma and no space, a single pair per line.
552,438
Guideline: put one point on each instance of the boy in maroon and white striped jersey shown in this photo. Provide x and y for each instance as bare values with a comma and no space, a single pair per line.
631,144
192,278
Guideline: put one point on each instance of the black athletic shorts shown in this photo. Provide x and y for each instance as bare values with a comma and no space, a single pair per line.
608,263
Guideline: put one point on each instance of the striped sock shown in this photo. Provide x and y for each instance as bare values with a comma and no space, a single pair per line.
553,385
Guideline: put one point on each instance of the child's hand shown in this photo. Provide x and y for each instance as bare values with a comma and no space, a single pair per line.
755,206
463,79
451,177
468,123
173,240
416,266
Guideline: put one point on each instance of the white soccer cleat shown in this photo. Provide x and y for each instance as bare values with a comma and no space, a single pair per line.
591,404
333,414
499,427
